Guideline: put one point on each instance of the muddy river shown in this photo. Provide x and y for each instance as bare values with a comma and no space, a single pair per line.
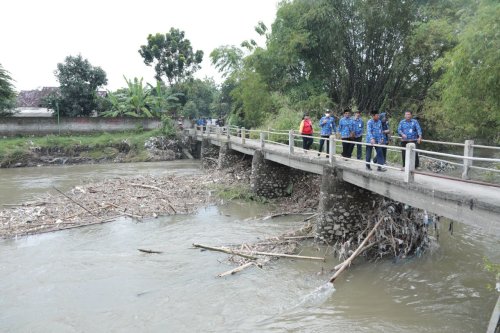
93,279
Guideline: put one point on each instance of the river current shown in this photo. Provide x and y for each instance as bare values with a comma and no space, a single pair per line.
94,279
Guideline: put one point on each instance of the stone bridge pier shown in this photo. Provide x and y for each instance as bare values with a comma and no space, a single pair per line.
270,179
342,207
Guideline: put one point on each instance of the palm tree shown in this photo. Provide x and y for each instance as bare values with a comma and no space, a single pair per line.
7,93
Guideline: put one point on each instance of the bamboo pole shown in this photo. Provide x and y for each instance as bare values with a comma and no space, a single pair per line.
356,253
237,269
224,250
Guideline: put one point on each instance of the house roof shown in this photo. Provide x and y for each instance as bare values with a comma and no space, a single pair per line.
34,98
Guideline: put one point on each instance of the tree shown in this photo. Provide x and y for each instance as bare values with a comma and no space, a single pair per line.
468,100
172,54
7,93
78,81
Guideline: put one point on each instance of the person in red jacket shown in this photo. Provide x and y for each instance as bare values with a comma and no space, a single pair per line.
306,128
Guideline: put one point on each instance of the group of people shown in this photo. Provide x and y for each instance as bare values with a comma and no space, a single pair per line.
351,130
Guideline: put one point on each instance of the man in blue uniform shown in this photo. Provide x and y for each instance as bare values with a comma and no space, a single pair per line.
386,133
374,136
346,131
327,126
358,132
409,130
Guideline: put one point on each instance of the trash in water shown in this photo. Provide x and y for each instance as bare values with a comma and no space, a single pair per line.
318,296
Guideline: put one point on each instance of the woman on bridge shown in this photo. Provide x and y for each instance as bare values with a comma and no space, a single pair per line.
306,128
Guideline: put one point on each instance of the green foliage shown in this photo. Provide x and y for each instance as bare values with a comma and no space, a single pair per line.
141,101
7,93
467,102
168,126
172,55
252,101
227,59
200,96
78,81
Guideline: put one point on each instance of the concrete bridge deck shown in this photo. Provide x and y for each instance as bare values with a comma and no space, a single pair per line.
470,203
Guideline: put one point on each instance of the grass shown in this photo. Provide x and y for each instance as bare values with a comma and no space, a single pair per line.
243,193
96,146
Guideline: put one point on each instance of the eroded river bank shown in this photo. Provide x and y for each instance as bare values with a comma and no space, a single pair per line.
94,279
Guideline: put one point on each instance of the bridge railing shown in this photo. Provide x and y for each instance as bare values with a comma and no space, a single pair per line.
290,139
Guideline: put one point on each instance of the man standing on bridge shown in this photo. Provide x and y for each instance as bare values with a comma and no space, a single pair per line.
410,131
327,125
346,131
358,132
374,136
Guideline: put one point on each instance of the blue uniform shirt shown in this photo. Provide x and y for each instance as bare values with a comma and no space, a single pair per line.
410,128
385,137
328,127
358,127
374,131
346,126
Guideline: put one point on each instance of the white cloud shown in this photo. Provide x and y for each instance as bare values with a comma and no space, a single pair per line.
36,35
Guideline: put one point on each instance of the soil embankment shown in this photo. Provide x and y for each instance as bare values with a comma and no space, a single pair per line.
116,148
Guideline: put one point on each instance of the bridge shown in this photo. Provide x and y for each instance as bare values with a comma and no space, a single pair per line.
474,203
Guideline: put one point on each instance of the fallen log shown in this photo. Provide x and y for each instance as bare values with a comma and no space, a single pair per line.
237,269
187,154
284,214
224,250
149,251
346,263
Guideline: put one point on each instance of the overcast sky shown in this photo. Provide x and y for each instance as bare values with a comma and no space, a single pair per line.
35,35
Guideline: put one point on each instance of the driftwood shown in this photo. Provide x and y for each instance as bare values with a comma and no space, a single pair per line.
362,250
284,214
248,254
346,263
224,250
284,255
187,154
149,251
238,269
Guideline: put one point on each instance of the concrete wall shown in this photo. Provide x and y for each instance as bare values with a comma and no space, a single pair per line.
11,126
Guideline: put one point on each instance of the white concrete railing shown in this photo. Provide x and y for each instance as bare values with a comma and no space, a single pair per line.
290,137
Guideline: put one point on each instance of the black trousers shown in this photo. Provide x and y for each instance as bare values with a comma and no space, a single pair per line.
322,142
403,153
359,148
307,143
347,148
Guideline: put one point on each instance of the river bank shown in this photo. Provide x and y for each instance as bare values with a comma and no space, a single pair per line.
136,146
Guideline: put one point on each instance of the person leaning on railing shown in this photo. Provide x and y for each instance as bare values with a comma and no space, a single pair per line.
306,128
358,132
409,130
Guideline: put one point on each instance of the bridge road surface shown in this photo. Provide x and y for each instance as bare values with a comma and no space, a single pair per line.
470,203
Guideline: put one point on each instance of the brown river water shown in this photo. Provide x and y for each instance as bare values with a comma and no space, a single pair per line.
93,279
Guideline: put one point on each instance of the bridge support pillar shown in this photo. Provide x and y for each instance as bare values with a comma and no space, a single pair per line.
209,154
228,157
341,207
269,179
